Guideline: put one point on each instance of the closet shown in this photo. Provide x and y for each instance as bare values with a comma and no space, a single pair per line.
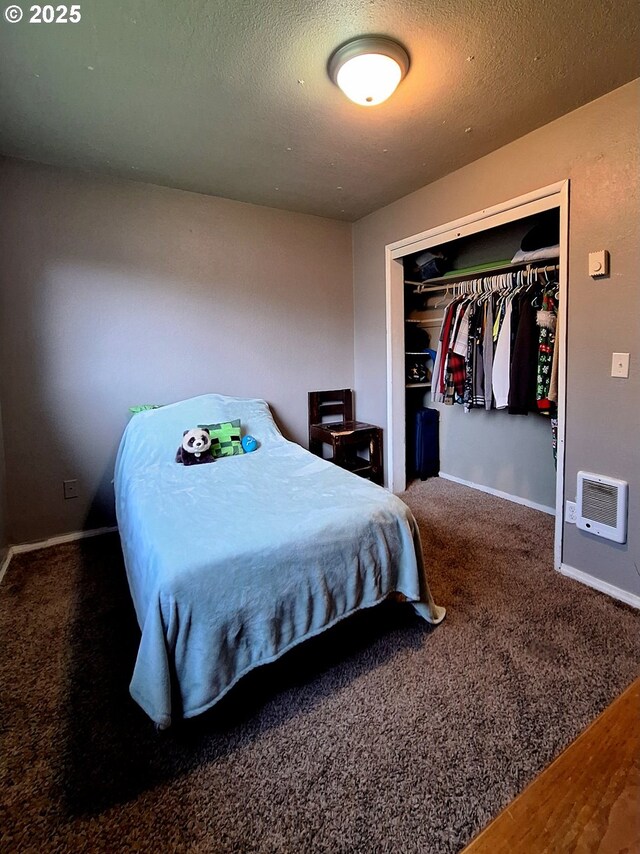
480,317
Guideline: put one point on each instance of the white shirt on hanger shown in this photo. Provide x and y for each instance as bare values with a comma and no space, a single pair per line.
502,360
462,338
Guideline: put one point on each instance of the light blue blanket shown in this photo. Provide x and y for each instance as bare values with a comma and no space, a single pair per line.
232,563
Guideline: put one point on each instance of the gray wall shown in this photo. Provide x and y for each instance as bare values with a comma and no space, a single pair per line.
117,293
597,148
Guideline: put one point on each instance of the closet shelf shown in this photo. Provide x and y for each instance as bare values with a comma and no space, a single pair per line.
442,281
417,353
418,385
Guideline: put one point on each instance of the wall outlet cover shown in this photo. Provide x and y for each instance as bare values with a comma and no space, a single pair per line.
571,513
70,488
620,365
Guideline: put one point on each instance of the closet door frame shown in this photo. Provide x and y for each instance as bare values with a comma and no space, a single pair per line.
553,196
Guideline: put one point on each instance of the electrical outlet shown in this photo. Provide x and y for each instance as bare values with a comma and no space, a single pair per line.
571,513
70,488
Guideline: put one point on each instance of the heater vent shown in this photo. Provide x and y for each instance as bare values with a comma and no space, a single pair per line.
600,502
602,506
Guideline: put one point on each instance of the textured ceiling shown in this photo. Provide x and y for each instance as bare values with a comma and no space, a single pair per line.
231,97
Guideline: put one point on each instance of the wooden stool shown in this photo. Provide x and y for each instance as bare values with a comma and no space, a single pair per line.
346,436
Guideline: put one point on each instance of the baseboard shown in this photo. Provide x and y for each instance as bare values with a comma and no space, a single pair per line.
603,586
52,541
499,494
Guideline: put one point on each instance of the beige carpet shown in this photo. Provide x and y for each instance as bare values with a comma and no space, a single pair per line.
384,735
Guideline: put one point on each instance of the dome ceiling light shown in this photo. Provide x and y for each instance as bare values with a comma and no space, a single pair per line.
368,69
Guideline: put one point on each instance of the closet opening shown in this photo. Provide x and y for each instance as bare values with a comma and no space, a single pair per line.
476,321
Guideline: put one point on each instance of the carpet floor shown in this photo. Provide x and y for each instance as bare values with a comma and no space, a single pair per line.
383,735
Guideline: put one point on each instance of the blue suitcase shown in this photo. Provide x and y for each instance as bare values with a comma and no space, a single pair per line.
427,443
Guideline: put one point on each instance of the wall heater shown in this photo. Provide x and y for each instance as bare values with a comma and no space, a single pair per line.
602,506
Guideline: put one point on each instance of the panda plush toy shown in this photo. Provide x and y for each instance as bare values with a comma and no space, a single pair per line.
195,448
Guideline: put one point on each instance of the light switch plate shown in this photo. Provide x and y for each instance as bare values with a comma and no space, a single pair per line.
620,365
599,263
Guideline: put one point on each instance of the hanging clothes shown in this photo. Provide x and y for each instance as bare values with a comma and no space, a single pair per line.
455,365
524,364
487,352
456,377
474,380
435,375
497,320
438,380
478,395
546,319
554,440
495,349
515,320
553,385
467,393
462,335
501,360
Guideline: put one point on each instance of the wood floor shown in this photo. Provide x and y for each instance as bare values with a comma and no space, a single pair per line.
587,801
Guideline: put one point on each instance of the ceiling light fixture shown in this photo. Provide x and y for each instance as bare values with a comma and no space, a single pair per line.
368,69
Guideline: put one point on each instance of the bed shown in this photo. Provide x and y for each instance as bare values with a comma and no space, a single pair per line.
233,563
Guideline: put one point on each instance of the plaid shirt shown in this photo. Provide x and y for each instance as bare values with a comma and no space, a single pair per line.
455,372
457,369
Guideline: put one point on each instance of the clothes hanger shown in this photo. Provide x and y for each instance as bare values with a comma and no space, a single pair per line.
510,285
443,298
529,280
486,283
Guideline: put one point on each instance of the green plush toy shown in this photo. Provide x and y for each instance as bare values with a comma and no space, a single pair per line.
226,438
144,407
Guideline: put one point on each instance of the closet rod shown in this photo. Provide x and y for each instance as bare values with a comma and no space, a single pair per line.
443,281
